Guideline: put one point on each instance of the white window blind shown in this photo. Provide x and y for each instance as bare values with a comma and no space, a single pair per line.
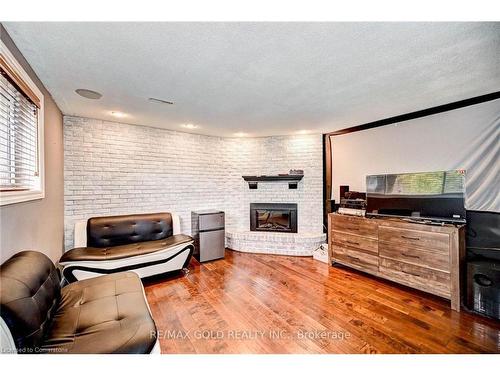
18,138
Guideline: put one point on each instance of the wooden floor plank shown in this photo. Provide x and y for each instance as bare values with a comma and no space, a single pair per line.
256,303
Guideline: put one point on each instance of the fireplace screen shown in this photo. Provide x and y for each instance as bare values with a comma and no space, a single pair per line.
274,217
273,220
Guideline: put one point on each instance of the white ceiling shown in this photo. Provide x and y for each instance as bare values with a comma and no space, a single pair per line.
260,78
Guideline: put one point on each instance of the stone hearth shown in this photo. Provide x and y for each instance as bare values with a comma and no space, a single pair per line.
298,244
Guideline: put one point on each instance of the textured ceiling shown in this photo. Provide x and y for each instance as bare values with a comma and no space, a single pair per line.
260,78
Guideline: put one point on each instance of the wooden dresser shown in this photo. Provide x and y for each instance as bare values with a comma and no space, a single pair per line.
421,256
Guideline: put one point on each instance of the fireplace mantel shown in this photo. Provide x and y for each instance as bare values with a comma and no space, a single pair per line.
292,180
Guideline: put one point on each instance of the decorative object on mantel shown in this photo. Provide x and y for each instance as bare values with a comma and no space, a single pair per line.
296,172
292,180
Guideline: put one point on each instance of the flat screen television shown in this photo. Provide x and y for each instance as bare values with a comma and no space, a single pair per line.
436,196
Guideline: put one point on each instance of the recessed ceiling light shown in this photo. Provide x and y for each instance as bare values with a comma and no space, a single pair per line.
160,101
240,134
89,94
303,131
118,114
190,126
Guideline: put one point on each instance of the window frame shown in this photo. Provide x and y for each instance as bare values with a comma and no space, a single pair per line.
38,191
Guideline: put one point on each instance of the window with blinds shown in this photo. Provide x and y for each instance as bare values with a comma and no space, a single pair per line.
18,138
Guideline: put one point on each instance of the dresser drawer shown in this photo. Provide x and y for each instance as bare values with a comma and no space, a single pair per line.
424,257
408,238
359,259
425,279
355,225
349,240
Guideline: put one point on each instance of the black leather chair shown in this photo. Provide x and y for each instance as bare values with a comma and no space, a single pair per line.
107,314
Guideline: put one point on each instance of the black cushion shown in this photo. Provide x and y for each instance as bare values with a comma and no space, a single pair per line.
109,231
29,294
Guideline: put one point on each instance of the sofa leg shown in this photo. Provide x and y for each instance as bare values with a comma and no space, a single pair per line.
185,271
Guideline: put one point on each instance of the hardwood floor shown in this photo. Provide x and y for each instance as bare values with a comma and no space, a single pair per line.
250,303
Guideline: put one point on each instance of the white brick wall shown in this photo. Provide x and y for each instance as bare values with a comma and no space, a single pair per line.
112,168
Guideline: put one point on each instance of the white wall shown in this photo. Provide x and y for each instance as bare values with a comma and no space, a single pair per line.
466,138
112,168
37,225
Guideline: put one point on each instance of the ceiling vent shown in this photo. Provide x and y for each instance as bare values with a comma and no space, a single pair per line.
160,101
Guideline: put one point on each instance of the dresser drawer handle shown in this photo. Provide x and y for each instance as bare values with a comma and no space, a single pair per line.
354,258
411,273
352,242
351,228
411,238
410,256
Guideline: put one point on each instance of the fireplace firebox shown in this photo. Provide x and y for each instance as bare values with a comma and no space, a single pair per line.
273,217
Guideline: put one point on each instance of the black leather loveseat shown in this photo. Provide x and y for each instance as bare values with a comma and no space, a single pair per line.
147,244
107,314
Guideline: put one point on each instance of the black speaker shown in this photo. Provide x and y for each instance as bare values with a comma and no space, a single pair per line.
483,230
343,189
483,287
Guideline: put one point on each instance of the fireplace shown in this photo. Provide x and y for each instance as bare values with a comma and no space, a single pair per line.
273,217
